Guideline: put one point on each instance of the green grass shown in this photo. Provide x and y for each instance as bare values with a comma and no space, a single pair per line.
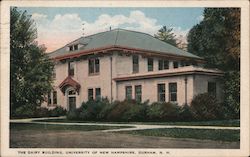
49,127
228,123
204,134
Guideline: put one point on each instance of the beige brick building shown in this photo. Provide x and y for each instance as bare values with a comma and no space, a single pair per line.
122,64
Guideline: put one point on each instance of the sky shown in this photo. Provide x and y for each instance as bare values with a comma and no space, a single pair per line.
58,26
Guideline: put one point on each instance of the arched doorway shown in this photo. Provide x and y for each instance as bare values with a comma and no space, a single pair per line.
71,99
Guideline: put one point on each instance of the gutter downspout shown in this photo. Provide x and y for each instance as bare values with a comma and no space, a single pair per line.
111,83
185,90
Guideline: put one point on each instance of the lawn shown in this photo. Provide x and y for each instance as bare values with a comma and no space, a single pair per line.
204,134
49,127
228,123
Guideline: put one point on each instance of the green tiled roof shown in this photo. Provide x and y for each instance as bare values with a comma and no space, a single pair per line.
123,38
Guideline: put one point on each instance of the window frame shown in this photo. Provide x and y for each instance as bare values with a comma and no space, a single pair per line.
128,96
90,98
98,97
138,94
171,93
71,72
175,64
54,95
49,98
94,66
214,87
163,64
76,47
135,63
150,66
161,93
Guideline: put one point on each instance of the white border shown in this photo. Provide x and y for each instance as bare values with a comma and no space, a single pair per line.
5,71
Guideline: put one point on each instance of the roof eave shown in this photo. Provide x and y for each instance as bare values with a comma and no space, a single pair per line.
127,49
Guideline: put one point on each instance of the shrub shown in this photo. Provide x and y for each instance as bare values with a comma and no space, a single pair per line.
185,113
73,115
137,112
106,109
163,111
206,107
58,111
119,108
25,111
91,109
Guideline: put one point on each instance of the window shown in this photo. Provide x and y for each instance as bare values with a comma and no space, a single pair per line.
135,64
72,92
54,97
138,92
163,64
128,92
161,92
175,64
172,91
70,48
150,64
182,63
75,47
49,99
90,94
71,68
211,88
94,66
98,93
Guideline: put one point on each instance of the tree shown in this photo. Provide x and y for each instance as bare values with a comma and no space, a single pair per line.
217,39
165,34
30,68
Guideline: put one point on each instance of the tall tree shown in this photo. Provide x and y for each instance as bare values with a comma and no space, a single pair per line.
30,68
166,34
217,39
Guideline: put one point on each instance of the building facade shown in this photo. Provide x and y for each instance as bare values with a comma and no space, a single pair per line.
121,64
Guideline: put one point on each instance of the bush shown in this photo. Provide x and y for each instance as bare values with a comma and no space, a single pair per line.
185,113
119,108
25,111
57,111
163,111
91,109
73,115
135,113
30,111
206,107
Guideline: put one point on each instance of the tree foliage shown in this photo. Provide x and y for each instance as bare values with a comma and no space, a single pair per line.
166,34
217,39
30,68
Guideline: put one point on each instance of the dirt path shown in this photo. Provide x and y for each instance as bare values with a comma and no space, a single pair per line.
133,126
98,139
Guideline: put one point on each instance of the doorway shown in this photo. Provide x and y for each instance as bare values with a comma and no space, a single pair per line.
71,99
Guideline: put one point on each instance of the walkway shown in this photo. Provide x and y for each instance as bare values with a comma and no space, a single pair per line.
133,126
